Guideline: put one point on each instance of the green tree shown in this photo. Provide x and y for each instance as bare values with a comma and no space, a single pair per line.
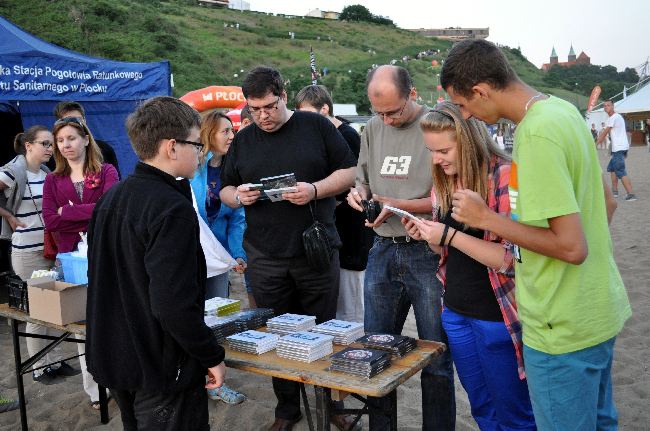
356,12
629,75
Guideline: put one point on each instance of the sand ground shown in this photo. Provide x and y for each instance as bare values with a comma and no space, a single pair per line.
66,407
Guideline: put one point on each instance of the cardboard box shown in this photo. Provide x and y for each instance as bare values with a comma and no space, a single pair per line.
55,301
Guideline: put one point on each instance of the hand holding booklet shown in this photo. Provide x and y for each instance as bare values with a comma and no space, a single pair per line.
401,213
274,187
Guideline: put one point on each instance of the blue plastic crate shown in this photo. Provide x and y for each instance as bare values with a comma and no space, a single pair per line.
75,268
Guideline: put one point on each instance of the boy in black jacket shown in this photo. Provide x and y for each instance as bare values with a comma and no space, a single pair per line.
146,338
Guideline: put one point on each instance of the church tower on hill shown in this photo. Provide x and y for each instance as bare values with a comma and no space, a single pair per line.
572,60
572,54
554,59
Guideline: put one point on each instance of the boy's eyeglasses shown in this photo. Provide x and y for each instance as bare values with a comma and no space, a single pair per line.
197,145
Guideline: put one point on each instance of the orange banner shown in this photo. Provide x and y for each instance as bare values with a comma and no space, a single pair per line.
214,97
593,99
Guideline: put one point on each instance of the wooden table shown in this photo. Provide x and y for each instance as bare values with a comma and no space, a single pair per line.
16,317
330,385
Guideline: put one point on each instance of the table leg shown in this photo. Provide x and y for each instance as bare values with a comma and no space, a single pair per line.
393,410
19,376
323,400
103,405
382,414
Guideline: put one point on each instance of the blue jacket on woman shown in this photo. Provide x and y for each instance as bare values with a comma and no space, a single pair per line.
230,224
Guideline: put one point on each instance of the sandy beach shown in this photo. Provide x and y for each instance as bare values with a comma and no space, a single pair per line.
65,406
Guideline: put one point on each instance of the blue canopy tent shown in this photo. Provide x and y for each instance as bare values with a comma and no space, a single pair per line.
36,75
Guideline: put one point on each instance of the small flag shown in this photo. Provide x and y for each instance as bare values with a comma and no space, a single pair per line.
312,64
593,98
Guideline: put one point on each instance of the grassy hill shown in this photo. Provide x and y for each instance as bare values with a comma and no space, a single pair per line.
209,46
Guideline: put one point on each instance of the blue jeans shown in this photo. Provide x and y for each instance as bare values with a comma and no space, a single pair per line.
572,391
217,286
398,276
617,164
487,368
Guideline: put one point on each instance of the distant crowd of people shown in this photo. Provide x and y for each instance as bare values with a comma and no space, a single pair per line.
506,259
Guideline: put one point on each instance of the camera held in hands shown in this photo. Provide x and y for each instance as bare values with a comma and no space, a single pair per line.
371,208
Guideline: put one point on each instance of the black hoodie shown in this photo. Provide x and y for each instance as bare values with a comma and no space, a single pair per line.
146,287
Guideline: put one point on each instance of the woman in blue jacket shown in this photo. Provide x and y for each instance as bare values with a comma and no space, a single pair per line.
227,224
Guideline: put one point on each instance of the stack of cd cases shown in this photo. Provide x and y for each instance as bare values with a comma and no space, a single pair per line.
222,327
343,332
397,345
252,318
288,323
254,342
360,362
221,306
304,346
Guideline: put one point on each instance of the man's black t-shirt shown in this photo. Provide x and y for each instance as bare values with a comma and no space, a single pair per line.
307,145
357,239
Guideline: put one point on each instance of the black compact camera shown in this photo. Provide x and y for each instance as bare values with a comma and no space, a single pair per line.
371,208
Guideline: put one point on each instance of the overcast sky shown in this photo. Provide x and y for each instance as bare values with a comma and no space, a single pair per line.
610,32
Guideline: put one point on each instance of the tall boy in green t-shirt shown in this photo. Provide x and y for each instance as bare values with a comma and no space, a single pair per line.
571,299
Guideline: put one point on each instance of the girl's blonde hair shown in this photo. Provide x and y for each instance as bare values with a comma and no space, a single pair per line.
93,160
474,149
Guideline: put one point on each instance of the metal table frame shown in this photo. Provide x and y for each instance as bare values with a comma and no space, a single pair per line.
25,367
324,412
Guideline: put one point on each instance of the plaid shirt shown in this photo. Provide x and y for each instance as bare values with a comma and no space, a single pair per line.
502,280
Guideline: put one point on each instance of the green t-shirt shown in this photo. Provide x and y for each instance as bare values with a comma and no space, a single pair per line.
555,172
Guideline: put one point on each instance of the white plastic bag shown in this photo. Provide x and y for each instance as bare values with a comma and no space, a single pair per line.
217,259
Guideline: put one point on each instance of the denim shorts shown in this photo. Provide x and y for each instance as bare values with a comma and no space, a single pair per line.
617,164
572,391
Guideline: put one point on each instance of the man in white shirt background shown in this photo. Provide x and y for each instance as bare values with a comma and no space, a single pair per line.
615,127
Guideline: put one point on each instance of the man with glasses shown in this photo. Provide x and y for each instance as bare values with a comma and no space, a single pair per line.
395,169
309,146
146,338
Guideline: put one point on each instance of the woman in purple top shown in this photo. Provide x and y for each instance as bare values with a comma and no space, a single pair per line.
69,197
77,183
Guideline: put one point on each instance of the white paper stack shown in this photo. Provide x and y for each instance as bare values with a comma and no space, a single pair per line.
221,306
255,342
288,323
304,346
344,332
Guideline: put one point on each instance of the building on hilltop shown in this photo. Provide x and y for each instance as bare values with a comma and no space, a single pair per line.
325,14
214,3
572,60
455,33
239,5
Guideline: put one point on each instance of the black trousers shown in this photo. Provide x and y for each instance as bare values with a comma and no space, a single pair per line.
289,285
177,411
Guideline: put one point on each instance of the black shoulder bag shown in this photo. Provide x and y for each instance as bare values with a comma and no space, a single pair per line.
317,244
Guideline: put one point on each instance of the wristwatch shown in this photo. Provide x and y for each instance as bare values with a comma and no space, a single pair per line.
237,199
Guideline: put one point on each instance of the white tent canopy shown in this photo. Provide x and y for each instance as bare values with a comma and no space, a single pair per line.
634,105
637,102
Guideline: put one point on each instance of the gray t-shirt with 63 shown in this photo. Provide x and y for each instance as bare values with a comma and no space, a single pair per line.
394,162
